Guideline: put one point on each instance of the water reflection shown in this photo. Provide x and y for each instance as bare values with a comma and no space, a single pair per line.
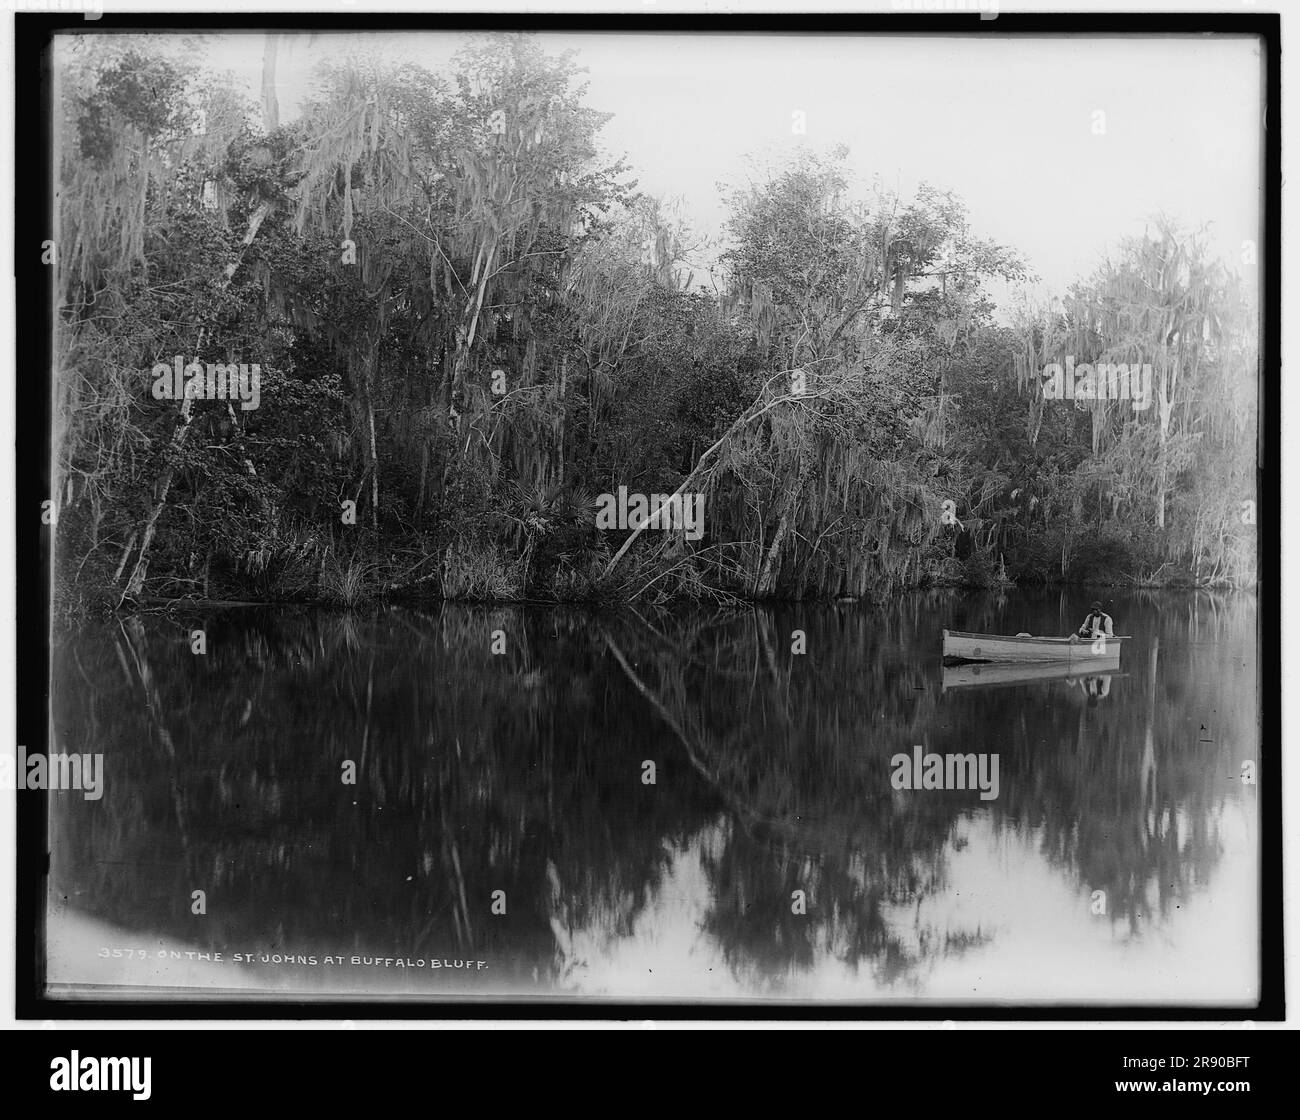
764,852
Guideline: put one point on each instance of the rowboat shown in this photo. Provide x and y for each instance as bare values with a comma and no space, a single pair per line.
960,646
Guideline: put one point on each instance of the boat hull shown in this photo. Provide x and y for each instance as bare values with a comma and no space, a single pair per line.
997,647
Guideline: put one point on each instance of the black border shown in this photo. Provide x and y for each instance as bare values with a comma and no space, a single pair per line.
34,296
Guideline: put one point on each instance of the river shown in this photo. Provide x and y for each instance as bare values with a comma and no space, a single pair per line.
632,805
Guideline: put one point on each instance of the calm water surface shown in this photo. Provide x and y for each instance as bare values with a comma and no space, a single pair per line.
1118,863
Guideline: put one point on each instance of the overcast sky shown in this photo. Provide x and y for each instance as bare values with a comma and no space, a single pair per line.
1009,124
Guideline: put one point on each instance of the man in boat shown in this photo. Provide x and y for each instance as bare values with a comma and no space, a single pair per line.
1098,624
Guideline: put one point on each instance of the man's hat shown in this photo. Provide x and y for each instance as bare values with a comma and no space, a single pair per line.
1096,606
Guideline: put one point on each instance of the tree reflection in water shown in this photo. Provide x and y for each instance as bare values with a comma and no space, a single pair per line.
523,772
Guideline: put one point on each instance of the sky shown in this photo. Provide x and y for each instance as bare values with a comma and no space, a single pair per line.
1059,146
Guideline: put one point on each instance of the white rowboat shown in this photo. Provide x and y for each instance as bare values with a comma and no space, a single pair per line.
999,647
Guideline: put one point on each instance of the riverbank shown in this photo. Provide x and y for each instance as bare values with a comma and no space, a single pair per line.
87,602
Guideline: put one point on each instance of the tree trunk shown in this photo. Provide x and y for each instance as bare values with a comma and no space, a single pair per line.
255,221
164,483
1168,389
136,583
748,416
374,459
764,582
564,377
770,570
1162,483
469,330
270,103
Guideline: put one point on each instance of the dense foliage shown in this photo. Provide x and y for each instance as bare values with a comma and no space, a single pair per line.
469,326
